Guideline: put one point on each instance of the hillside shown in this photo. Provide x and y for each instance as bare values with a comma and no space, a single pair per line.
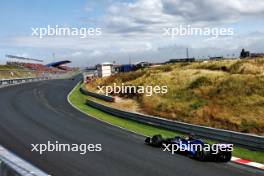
223,94
9,72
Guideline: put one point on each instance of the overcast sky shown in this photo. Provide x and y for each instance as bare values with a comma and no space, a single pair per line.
131,30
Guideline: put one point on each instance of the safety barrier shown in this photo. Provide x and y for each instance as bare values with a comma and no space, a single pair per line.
7,82
96,95
249,141
12,165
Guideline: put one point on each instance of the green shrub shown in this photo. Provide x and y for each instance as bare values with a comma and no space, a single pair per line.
241,86
235,68
166,68
199,82
247,126
163,68
198,103
125,77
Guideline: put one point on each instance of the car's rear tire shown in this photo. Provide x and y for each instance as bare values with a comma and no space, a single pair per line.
225,156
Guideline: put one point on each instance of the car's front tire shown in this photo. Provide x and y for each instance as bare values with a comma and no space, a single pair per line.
157,140
148,140
202,155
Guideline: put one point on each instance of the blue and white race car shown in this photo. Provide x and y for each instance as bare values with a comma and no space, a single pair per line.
193,147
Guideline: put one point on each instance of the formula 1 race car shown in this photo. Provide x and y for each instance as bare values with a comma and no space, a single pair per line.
193,147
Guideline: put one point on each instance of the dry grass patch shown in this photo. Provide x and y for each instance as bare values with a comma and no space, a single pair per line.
224,94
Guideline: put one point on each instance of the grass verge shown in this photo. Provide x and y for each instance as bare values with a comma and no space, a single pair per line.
78,100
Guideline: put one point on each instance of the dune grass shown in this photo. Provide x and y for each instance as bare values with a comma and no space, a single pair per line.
225,94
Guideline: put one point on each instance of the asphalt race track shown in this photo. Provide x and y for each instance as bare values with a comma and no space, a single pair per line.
39,112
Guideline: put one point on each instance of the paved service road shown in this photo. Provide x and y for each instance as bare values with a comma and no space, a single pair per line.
39,112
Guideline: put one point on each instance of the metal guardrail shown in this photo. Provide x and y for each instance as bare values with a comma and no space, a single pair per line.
11,165
6,82
96,95
249,141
